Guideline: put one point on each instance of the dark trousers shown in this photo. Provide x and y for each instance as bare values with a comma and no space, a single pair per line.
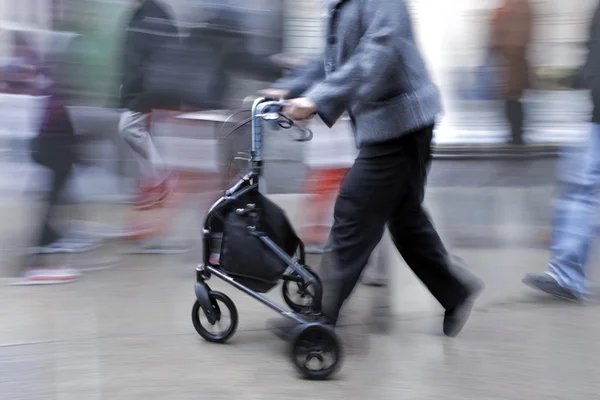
56,154
386,184
516,117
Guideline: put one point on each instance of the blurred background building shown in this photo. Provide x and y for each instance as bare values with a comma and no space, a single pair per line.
85,36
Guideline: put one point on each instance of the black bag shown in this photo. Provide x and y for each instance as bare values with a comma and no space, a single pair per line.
244,256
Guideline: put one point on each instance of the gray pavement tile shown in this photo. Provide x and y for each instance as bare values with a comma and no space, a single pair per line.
548,353
126,333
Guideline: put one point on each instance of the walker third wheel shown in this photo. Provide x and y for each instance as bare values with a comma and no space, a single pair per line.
316,352
299,296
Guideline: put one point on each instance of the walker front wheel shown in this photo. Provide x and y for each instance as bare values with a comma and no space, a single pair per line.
227,319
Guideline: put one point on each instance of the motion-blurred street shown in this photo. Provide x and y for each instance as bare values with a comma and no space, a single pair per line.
112,106
126,332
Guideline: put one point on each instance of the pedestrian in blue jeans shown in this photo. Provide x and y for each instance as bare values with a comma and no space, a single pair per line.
575,217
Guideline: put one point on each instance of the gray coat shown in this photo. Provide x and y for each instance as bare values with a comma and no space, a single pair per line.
372,69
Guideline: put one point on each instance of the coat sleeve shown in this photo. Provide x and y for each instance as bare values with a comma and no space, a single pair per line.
386,23
303,78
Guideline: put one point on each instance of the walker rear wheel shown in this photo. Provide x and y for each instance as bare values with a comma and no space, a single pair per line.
316,352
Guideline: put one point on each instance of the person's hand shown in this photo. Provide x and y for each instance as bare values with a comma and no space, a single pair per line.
300,109
275,93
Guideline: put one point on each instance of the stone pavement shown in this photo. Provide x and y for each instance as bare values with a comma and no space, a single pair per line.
126,333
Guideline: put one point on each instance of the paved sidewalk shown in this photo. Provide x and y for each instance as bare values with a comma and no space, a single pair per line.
126,333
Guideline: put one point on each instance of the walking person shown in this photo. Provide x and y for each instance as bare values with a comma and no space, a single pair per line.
149,32
217,48
373,70
512,25
574,228
55,149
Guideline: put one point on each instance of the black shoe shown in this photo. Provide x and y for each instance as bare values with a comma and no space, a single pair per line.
456,318
549,285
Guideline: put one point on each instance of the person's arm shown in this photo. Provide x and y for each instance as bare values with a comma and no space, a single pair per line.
239,58
302,78
366,71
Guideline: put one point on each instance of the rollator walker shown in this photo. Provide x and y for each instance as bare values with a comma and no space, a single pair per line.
257,249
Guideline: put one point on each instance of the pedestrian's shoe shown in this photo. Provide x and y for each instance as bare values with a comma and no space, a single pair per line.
456,318
48,276
66,245
152,195
549,285
158,247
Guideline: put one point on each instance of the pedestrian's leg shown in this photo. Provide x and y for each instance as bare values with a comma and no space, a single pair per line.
422,249
515,116
322,186
156,185
366,201
576,229
47,233
60,164
415,236
314,214
133,128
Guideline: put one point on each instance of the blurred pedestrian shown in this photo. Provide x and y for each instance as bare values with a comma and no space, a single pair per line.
574,228
378,76
55,149
149,32
218,45
512,25
217,48
24,50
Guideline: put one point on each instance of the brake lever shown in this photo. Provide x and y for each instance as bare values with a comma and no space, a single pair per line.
308,134
287,122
